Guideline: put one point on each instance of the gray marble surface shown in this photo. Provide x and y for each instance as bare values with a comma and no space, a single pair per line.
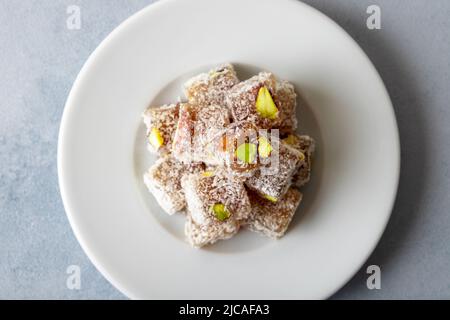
40,58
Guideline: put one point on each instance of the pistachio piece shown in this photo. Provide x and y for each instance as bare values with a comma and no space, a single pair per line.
290,139
302,156
207,174
264,147
270,198
220,212
265,106
155,138
246,152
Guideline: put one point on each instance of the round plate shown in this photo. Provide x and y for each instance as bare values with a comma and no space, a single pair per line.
102,157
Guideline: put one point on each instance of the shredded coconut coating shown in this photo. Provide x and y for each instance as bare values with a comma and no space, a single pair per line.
165,119
211,87
286,99
307,146
201,235
203,172
273,219
163,180
241,100
204,191
274,178
196,136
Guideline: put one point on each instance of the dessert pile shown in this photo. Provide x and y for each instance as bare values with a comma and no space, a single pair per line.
229,157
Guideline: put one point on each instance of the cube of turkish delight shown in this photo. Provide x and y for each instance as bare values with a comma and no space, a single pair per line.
215,196
202,235
161,123
306,145
216,205
273,218
242,98
197,132
274,177
163,180
264,101
211,87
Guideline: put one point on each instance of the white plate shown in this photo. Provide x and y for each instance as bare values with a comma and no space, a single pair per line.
102,157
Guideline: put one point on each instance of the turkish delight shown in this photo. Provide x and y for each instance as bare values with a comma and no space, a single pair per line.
264,101
196,137
273,218
229,157
163,180
274,177
215,196
161,123
202,235
217,203
211,87
306,145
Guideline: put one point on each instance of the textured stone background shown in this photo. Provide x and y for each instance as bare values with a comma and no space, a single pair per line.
40,58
